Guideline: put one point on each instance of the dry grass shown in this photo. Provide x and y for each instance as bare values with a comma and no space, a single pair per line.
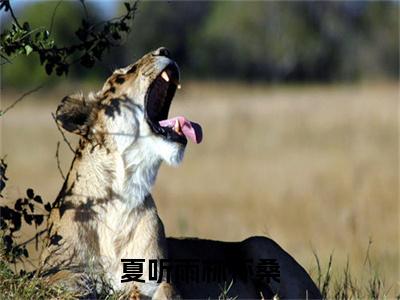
313,167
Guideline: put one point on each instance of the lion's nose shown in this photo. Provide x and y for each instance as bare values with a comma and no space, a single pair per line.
162,51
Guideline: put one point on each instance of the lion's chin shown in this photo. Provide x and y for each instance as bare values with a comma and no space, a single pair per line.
170,152
176,156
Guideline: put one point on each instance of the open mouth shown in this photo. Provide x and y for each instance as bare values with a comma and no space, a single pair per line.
158,101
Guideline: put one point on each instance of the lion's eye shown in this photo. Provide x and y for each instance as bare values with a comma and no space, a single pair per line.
120,80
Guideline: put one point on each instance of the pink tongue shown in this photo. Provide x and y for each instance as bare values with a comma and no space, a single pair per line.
190,129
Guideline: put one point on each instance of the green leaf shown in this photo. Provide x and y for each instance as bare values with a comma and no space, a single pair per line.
49,68
28,50
26,26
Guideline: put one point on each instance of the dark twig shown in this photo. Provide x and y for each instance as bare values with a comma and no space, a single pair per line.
84,8
7,61
32,238
58,161
2,112
119,18
13,16
53,16
62,133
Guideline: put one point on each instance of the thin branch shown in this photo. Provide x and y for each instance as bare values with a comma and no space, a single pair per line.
31,239
28,261
13,16
119,18
28,33
6,60
85,8
53,16
58,161
3,112
62,133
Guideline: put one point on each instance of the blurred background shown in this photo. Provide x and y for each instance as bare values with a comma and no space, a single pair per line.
244,40
299,107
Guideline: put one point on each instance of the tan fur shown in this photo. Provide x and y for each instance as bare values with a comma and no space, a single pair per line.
105,212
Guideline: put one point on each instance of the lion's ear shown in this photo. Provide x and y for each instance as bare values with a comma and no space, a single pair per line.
73,114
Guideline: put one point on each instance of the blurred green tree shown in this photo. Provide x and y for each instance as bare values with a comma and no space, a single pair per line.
298,40
260,40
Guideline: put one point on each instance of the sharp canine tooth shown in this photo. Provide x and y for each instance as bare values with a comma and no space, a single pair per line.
164,75
177,126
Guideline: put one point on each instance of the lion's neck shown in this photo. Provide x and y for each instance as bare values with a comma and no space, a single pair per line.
140,171
109,192
109,175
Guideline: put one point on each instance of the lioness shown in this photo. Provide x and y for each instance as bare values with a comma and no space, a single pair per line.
105,213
